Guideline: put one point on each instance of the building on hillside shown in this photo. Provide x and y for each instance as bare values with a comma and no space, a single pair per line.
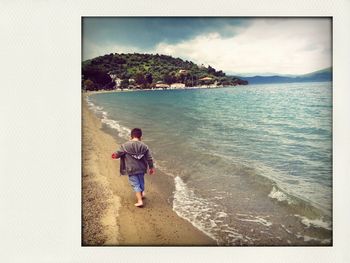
115,79
206,79
112,76
177,86
162,86
118,82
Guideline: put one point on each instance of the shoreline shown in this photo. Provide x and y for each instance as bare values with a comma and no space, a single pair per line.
108,214
88,93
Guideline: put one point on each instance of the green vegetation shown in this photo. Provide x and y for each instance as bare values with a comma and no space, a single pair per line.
146,70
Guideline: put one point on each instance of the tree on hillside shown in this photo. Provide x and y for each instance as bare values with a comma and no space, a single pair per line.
140,78
169,79
219,73
99,77
124,84
125,75
149,78
211,70
89,85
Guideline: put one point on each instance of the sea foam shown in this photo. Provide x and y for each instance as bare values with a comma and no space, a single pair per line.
123,132
318,222
279,195
188,206
203,214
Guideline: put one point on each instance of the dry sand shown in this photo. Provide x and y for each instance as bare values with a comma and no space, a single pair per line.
109,216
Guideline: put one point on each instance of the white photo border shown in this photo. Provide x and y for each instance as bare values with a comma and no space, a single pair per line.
40,171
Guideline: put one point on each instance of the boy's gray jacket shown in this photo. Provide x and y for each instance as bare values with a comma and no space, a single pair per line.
135,156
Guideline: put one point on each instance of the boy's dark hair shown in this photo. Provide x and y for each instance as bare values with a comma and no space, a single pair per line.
136,133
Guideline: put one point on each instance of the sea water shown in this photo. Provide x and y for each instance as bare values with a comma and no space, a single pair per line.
252,165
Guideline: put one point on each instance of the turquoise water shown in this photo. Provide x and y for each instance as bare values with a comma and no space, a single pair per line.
251,164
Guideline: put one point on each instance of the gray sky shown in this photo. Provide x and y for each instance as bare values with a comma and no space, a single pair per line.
246,46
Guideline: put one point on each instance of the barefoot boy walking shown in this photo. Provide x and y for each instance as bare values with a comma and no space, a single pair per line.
135,157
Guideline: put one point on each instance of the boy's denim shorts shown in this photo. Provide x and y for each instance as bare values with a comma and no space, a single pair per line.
137,182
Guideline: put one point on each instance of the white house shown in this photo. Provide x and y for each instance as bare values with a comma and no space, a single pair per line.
177,86
113,76
118,82
162,85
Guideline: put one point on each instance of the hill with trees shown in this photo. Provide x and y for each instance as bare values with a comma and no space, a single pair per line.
149,71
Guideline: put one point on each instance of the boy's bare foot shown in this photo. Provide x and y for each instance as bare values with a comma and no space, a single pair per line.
139,204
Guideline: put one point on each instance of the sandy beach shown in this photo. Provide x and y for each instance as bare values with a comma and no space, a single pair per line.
108,214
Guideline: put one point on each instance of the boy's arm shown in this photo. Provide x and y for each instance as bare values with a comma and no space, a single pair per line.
118,154
149,159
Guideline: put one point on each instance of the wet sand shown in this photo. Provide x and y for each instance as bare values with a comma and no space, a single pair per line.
109,216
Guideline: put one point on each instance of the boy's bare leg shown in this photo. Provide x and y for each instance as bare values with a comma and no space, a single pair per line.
139,199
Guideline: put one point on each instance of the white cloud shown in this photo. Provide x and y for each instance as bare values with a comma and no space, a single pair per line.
92,50
284,46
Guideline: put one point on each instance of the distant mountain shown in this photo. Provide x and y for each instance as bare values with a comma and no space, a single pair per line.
316,76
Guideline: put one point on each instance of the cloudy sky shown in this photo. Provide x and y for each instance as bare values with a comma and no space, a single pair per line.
242,46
